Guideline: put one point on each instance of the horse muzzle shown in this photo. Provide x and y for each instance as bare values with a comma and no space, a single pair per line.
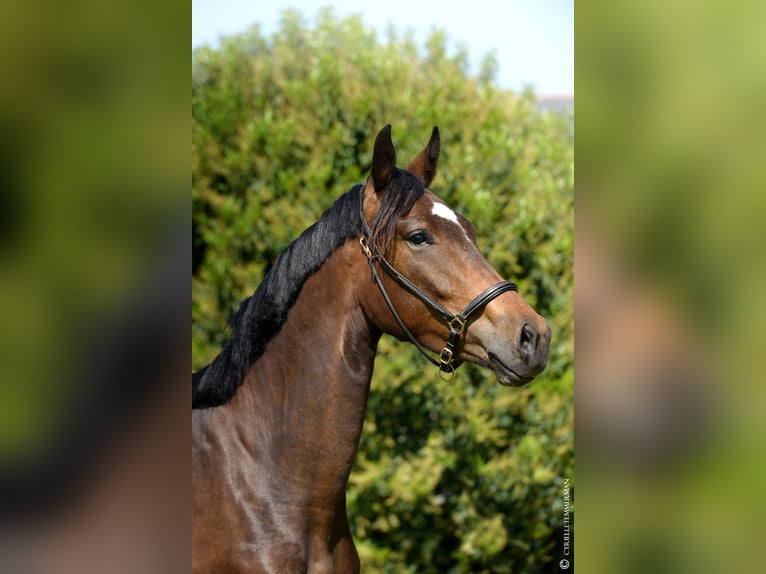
518,364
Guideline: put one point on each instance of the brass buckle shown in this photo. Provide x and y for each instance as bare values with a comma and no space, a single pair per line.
446,370
365,248
457,324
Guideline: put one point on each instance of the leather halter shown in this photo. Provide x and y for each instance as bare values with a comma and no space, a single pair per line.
448,360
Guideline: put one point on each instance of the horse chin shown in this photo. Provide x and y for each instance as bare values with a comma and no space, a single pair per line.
506,375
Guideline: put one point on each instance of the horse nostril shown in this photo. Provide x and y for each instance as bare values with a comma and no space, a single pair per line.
528,339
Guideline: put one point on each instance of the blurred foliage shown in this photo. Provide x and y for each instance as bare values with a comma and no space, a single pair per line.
92,159
94,243
671,139
673,129
458,477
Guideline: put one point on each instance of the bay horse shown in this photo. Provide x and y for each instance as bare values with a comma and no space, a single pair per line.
277,415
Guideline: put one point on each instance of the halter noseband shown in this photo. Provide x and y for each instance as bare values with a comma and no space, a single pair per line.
448,361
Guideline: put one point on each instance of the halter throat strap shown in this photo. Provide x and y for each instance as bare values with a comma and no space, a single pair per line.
448,360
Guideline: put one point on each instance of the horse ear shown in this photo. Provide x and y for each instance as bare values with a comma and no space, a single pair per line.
424,166
383,160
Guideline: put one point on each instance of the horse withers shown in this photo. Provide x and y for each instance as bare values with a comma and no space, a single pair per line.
278,413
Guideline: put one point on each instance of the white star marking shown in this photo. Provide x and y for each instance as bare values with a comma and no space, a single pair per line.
443,211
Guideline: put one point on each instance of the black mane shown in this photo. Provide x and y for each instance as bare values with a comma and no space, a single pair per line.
262,315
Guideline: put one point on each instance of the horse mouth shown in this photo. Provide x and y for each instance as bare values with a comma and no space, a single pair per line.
505,375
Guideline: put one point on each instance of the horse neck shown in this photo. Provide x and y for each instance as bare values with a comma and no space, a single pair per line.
306,397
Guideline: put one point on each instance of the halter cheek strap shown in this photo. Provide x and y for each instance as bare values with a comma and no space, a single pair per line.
448,360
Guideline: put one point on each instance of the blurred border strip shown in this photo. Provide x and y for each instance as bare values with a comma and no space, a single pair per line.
94,263
671,136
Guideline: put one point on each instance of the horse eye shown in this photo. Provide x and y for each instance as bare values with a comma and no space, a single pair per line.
419,238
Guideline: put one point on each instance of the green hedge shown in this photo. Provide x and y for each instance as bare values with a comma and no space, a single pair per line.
450,477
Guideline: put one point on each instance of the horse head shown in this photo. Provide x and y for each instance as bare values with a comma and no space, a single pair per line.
434,269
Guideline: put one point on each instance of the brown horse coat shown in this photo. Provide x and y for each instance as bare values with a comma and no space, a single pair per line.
278,414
